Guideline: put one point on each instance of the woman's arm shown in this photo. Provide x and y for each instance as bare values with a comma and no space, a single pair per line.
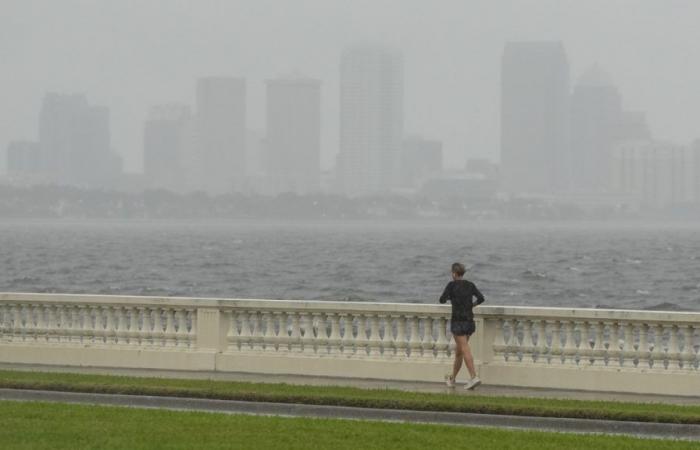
447,293
479,296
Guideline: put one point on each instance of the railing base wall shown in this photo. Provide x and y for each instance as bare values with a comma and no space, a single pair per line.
592,379
109,357
400,370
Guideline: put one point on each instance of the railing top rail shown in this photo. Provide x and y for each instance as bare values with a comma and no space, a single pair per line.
418,309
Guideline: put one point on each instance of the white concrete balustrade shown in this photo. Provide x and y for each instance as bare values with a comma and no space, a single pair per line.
605,350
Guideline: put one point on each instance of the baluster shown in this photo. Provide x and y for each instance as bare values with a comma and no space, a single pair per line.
3,323
29,329
181,328
192,333
141,331
347,341
74,336
16,322
527,347
388,344
673,353
257,336
540,351
283,339
35,330
414,343
374,348
62,323
400,343
131,335
513,347
442,343
52,331
109,331
334,338
233,341
307,339
321,341
557,350
169,336
362,343
120,325
295,336
40,327
158,327
657,354
428,342
643,352
585,347
598,351
688,348
628,351
570,348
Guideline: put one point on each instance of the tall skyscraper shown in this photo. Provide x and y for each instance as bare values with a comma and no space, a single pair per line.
293,143
596,118
221,133
371,119
534,117
164,146
75,141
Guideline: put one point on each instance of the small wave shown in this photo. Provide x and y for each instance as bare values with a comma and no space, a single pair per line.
633,261
574,269
24,280
642,292
532,275
666,306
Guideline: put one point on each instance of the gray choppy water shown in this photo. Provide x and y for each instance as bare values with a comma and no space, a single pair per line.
620,267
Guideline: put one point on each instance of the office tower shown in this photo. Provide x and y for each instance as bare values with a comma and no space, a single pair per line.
534,117
23,158
659,174
75,141
371,119
420,159
220,134
164,146
695,167
293,143
596,118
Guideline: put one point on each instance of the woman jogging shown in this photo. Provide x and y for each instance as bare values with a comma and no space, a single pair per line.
460,293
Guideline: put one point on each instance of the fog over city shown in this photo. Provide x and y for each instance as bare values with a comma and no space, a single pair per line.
447,73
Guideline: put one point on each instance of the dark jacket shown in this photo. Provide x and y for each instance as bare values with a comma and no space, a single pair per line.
461,294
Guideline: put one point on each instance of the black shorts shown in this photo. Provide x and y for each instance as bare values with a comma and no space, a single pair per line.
462,327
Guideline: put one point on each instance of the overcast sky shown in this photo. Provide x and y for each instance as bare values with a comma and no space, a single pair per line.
131,54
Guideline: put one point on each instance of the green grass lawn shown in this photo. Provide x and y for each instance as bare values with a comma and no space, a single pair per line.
64,426
346,396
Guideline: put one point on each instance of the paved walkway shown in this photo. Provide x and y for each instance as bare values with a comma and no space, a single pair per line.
437,387
637,429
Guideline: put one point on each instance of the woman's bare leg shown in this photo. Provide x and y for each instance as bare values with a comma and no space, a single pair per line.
468,358
460,342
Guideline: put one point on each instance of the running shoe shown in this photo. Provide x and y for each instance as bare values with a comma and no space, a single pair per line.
471,384
449,381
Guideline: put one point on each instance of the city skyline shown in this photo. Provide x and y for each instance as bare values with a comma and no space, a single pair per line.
451,56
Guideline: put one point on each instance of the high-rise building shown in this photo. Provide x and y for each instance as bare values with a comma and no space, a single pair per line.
293,144
534,117
164,146
596,118
371,119
75,141
420,159
659,174
220,134
24,158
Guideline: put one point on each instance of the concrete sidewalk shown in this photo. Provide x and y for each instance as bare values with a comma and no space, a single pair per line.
585,426
437,387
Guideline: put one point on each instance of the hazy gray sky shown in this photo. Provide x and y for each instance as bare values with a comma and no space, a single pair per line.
130,54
